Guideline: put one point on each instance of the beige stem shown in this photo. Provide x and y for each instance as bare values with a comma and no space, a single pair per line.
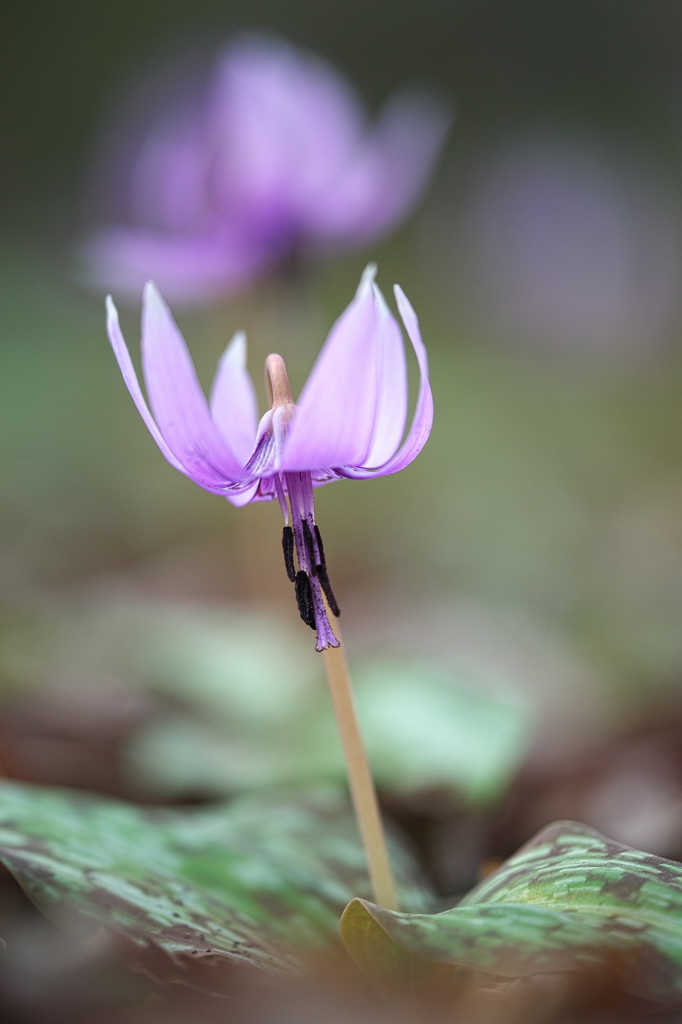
360,778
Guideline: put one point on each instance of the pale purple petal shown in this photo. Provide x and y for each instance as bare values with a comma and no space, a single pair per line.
386,176
266,490
130,377
287,124
239,498
177,401
207,480
187,268
233,403
251,135
273,432
423,414
170,174
391,399
334,423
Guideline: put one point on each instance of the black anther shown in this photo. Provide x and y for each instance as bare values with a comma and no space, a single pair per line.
288,548
310,547
327,588
304,598
320,546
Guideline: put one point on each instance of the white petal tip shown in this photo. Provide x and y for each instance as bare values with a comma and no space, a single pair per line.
154,305
401,298
404,305
381,301
112,312
151,294
236,350
367,280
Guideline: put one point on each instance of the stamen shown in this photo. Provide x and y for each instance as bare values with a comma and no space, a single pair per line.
304,598
310,547
288,548
323,577
320,546
308,584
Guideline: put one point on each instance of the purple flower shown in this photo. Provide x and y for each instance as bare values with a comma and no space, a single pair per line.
348,422
276,159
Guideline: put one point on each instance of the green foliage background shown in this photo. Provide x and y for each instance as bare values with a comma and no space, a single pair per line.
541,528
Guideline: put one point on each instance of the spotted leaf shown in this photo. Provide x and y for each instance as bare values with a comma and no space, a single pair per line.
257,881
569,900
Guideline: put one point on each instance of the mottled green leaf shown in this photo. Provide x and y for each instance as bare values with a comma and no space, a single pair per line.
257,881
570,899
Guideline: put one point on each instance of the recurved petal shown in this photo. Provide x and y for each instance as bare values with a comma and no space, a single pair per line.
423,414
391,400
334,423
242,496
233,399
178,403
130,377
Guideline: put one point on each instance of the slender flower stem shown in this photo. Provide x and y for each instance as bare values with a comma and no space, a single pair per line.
362,788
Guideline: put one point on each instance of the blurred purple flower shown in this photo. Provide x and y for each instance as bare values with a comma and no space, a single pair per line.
348,422
275,158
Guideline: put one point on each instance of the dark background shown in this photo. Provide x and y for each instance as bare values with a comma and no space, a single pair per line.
614,66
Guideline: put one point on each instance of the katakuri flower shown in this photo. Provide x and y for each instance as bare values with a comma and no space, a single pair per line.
275,160
349,421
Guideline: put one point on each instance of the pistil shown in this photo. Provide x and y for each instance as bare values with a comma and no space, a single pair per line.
277,379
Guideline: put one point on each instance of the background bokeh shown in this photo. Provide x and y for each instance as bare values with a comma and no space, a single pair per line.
535,547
